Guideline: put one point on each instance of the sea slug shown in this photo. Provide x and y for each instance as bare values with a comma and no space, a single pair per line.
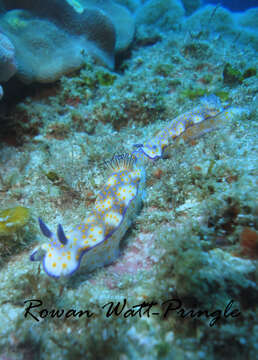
201,119
96,240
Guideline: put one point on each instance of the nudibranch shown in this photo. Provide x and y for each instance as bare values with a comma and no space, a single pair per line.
95,242
202,118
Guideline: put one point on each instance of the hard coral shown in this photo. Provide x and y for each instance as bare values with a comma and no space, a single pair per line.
165,14
120,17
51,37
7,60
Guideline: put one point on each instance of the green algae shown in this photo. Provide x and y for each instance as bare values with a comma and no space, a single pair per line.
249,72
207,79
197,49
105,78
52,176
231,75
174,82
223,95
98,77
164,69
193,94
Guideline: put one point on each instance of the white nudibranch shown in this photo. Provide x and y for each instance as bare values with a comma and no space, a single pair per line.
95,242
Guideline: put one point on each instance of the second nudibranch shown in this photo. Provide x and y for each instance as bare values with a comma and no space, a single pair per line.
202,118
96,240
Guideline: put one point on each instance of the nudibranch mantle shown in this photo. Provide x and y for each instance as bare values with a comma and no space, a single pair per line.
96,240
